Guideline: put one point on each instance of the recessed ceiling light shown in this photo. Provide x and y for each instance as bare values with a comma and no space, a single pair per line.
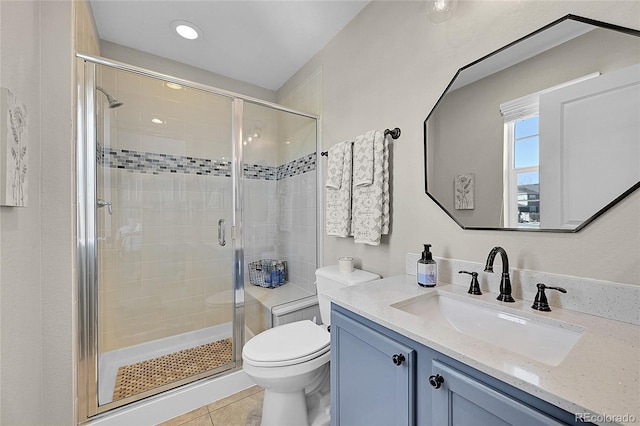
157,121
174,86
186,29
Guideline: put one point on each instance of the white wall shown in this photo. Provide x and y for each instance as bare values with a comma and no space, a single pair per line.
388,67
20,244
57,216
36,284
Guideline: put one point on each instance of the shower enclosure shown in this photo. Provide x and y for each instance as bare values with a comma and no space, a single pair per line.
179,186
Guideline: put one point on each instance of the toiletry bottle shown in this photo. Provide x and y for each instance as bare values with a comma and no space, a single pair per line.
266,271
427,269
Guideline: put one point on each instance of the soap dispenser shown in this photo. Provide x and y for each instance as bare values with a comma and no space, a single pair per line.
427,269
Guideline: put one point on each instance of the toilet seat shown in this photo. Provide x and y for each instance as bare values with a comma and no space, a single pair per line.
287,344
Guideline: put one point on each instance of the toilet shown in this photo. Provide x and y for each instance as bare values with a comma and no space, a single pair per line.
291,362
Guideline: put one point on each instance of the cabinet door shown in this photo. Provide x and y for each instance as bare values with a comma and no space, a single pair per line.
367,386
463,400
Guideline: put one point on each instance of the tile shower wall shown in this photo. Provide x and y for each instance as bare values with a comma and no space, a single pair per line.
280,215
169,184
280,218
296,227
160,259
297,214
159,256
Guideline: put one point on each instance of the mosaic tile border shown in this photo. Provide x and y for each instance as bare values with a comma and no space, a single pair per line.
257,171
149,162
155,163
297,167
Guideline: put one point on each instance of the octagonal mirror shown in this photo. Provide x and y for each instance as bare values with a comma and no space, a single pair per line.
541,135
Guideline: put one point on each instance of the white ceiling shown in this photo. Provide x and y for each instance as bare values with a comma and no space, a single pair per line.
261,42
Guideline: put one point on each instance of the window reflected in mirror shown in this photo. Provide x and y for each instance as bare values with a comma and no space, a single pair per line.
522,189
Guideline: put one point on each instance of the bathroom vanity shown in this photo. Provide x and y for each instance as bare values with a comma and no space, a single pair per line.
402,354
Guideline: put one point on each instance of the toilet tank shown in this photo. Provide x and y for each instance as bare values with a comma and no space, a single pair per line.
329,278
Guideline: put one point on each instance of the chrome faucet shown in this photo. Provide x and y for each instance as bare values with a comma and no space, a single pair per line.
505,282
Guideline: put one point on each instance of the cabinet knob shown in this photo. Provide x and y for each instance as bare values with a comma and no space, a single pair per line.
436,381
398,359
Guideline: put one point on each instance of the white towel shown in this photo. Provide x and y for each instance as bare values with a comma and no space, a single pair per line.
335,165
363,160
386,217
338,214
370,215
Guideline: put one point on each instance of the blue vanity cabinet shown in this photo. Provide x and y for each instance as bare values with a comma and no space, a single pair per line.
427,388
462,400
374,374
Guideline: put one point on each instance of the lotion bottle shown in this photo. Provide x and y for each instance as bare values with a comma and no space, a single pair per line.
427,269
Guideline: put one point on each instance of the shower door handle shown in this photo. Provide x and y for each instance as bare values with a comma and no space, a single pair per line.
102,203
221,233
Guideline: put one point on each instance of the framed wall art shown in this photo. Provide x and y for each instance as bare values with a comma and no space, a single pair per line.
464,187
14,153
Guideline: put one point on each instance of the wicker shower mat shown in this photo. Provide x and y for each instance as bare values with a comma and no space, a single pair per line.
145,375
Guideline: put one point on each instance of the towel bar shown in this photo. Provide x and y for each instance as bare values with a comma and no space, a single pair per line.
395,134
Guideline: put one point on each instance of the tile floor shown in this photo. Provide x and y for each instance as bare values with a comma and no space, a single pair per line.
240,409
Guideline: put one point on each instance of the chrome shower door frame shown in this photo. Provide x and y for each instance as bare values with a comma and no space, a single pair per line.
87,249
86,228
86,242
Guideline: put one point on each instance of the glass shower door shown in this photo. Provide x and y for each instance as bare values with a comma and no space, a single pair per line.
163,220
280,222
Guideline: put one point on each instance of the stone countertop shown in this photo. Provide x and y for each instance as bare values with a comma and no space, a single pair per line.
599,376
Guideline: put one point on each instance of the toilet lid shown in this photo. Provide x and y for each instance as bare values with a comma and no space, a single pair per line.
288,344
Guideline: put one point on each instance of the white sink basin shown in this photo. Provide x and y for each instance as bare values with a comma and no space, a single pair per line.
542,339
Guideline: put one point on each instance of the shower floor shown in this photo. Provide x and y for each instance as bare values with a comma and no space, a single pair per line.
111,362
141,376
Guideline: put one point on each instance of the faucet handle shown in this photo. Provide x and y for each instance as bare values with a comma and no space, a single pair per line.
540,303
474,287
